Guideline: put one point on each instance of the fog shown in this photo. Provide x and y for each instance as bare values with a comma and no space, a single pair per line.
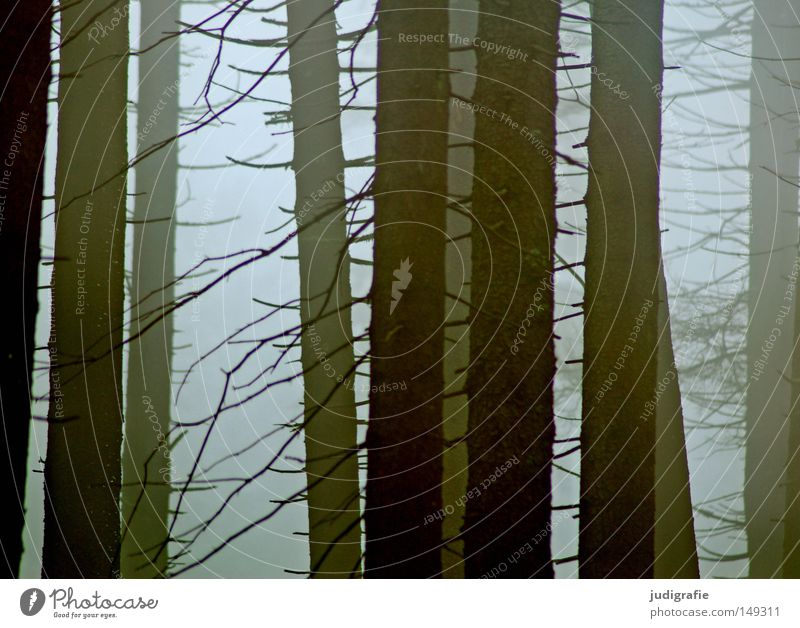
228,207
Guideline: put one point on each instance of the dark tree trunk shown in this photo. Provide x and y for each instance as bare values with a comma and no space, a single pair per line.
24,80
511,426
327,345
84,439
146,464
404,438
617,509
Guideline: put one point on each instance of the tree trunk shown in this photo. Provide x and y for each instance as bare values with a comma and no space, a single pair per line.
145,454
404,438
773,248
25,77
82,471
617,505
463,24
675,543
791,529
511,426
327,349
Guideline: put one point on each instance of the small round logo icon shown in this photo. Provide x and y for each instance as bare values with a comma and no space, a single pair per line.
31,602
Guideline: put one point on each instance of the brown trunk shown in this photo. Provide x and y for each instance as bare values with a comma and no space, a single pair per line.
511,427
617,509
404,438
82,470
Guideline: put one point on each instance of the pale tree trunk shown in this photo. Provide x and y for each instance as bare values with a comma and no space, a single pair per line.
145,454
327,350
512,366
773,248
404,437
24,81
82,470
675,542
791,519
617,504
458,259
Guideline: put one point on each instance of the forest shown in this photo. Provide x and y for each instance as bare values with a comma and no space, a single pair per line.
351,289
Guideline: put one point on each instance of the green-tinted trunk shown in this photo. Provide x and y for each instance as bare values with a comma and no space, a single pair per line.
617,504
773,249
145,455
675,543
512,360
463,24
327,350
82,470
